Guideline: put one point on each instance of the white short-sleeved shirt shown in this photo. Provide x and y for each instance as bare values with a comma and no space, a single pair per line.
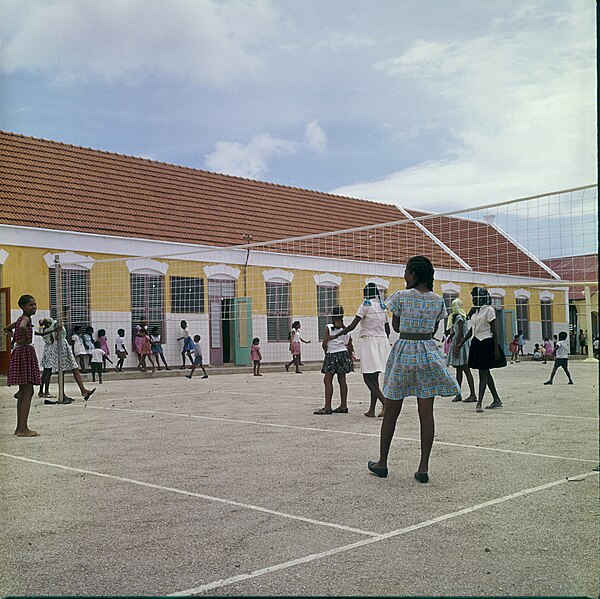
562,349
120,344
97,355
197,349
480,322
295,336
372,319
186,333
336,345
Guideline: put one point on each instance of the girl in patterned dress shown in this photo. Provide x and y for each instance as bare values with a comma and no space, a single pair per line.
457,321
415,366
23,367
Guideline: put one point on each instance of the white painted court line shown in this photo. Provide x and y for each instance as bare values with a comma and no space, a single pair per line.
383,537
335,431
248,506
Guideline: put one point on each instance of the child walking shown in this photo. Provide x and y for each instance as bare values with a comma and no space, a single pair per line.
96,362
457,321
188,344
120,350
514,349
146,351
338,360
46,328
23,367
296,347
104,347
415,366
79,350
157,350
562,358
256,356
197,359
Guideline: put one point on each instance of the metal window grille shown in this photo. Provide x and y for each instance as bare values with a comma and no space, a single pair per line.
522,307
327,297
75,297
147,301
546,308
278,311
187,295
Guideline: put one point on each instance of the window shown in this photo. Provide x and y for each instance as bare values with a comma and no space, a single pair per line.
75,297
278,311
187,295
147,300
497,302
547,330
327,297
523,316
449,297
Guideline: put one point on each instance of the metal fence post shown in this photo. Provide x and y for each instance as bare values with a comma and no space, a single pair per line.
60,326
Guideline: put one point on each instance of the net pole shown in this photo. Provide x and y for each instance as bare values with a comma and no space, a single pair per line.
59,328
590,332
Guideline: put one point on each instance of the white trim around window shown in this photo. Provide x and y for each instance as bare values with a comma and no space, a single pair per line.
328,280
222,271
3,256
522,294
381,283
70,260
277,275
546,295
497,292
146,266
451,288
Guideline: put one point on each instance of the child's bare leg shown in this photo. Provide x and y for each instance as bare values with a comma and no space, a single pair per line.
189,355
79,380
258,368
189,376
568,374
492,387
459,379
328,382
204,370
471,383
425,406
23,406
343,391
483,380
254,368
297,360
162,357
81,363
392,410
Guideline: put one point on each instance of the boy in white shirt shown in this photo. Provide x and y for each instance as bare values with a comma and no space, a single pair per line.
120,350
96,361
562,358
197,359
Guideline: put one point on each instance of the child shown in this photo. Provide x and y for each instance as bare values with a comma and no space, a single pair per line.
23,367
562,358
338,360
256,356
457,321
188,344
197,358
140,333
514,350
537,353
79,350
295,347
596,347
146,351
120,350
157,351
548,350
521,342
46,328
416,366
96,362
104,347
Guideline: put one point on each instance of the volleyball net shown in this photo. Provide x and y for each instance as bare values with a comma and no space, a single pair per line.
535,255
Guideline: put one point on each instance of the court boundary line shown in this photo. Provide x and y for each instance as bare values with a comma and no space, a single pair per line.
383,537
248,506
334,431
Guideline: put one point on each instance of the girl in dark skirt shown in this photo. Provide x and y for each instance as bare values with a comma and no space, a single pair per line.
338,360
485,353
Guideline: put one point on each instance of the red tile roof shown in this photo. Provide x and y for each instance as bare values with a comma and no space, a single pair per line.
70,188
580,269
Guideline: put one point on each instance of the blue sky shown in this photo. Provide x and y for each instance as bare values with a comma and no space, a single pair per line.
432,105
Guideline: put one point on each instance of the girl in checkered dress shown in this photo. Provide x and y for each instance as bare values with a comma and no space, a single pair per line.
23,368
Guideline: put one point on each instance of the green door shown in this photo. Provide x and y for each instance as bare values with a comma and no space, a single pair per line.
242,330
508,329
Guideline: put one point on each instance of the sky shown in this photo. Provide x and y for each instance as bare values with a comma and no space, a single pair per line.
431,105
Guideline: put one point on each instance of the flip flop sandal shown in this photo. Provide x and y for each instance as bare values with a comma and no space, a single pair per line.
340,411
380,472
322,411
479,409
422,477
494,405
88,395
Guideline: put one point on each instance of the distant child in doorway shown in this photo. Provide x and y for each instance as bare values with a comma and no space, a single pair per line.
514,350
188,344
562,358
97,361
256,356
120,350
104,347
197,359
157,350
296,347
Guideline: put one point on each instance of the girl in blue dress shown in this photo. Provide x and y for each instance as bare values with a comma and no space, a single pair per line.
415,366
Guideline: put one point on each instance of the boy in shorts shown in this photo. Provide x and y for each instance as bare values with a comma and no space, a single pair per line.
562,358
197,359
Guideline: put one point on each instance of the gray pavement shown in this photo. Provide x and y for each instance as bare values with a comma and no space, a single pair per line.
231,486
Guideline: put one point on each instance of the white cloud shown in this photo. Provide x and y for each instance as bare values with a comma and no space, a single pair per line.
217,43
341,42
519,104
248,160
315,137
